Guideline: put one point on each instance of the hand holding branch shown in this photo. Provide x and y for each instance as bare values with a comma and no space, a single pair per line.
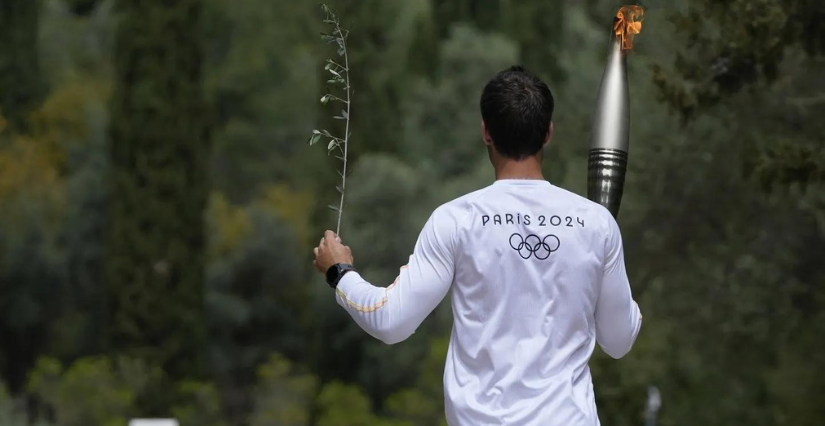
331,251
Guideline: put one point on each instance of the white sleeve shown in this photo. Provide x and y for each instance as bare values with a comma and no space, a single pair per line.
618,319
391,314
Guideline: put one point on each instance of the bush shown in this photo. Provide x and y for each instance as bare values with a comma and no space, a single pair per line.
93,391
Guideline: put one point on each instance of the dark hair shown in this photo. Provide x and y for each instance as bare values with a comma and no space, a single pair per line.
517,108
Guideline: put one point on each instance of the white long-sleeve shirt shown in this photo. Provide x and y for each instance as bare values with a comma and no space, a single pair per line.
537,277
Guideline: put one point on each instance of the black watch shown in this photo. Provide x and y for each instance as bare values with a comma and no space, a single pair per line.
336,272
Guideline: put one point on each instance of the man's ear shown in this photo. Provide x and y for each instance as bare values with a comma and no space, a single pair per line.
485,135
549,134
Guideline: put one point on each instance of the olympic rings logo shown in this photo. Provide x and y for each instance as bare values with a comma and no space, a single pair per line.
533,245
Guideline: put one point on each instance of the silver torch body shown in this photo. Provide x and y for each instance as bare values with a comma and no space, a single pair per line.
607,162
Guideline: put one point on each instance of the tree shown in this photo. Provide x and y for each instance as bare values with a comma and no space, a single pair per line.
536,26
283,395
423,403
257,296
20,82
257,77
158,186
738,46
340,404
52,216
93,390
725,272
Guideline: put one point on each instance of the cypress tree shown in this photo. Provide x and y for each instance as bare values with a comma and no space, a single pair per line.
154,265
20,80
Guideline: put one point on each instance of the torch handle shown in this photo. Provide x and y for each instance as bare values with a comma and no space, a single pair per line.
606,169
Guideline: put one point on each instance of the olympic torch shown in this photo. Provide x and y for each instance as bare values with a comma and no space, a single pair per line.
609,142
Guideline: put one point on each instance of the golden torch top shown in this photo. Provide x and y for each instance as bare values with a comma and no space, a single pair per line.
627,24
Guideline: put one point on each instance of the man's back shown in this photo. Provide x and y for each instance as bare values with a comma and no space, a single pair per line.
529,265
536,275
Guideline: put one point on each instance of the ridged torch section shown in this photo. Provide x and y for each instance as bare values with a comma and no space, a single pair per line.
606,169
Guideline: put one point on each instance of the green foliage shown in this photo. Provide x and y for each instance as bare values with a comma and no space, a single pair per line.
346,405
755,35
93,390
21,86
154,267
50,226
536,27
256,297
199,405
423,404
720,289
11,413
796,375
82,7
441,120
258,57
283,395
723,218
754,46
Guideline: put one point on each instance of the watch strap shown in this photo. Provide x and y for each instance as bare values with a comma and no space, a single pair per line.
336,272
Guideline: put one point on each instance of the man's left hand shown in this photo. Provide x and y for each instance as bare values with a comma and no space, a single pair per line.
331,251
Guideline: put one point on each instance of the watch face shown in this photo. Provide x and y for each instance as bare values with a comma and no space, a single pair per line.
332,273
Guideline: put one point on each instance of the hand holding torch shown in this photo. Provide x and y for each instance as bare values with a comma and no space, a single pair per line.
607,163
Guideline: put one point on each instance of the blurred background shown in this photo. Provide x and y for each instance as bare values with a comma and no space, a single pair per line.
159,203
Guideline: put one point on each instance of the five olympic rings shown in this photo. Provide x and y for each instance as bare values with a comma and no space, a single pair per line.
533,245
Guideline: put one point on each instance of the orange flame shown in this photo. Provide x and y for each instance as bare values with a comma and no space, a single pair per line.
628,23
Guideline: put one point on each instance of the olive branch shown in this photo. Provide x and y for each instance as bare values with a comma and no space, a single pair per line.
339,75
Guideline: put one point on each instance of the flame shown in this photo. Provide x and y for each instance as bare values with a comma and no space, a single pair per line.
628,23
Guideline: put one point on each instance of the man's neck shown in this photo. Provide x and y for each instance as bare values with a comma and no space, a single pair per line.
529,168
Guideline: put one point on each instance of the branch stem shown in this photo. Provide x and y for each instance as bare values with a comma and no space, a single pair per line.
346,131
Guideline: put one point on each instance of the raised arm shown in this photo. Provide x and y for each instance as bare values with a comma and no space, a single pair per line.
618,319
391,314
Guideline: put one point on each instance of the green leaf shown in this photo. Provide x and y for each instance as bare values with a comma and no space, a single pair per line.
325,99
316,132
314,139
340,191
333,208
341,51
338,117
344,114
331,145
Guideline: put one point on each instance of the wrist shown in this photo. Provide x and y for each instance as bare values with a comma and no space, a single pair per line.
336,272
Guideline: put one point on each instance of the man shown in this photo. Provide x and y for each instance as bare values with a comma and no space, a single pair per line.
536,276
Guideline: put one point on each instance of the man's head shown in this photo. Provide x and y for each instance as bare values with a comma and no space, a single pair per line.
517,109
